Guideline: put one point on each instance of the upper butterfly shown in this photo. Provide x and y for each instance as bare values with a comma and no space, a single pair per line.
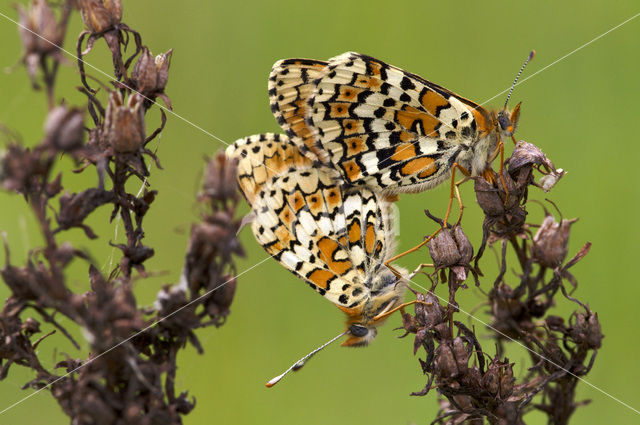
381,126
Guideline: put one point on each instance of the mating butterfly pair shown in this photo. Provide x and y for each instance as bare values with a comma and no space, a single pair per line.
357,131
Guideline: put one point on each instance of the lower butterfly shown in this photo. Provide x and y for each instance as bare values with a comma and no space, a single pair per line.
334,237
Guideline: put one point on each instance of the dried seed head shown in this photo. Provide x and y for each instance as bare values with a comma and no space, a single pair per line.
451,358
498,379
507,381
22,281
527,154
586,330
464,245
39,31
162,62
64,128
524,157
444,250
124,126
451,248
21,169
217,305
429,311
510,315
151,75
492,196
550,243
98,15
220,179
462,354
445,363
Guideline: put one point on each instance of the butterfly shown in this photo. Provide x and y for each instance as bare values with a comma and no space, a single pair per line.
383,127
333,236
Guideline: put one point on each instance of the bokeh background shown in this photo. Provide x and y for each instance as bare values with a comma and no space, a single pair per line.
582,112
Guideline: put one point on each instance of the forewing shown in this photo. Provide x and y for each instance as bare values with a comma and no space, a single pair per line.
331,237
387,128
261,157
290,85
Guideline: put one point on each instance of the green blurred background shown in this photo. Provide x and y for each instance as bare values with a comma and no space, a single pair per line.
580,111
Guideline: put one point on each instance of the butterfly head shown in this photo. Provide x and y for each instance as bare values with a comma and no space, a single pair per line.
387,292
507,121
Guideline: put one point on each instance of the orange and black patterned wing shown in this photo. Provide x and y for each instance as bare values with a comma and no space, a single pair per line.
261,157
290,85
389,129
332,237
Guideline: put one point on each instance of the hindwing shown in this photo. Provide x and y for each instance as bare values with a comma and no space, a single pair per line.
290,85
334,238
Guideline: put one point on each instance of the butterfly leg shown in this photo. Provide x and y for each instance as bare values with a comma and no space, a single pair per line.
415,248
400,307
454,191
419,269
500,150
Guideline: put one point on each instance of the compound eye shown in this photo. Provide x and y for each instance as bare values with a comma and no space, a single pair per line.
504,122
358,330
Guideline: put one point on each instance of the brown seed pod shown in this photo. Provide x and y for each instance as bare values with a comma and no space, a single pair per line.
124,125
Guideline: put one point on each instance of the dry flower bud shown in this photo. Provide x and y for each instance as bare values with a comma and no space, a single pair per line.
98,15
550,243
555,323
124,125
65,128
75,207
39,31
30,326
151,75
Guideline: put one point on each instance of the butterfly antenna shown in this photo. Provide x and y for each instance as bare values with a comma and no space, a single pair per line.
513,86
297,365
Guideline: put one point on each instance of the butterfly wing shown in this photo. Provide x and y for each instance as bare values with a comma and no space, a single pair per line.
332,237
261,157
387,128
290,85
